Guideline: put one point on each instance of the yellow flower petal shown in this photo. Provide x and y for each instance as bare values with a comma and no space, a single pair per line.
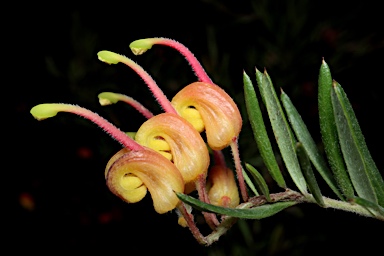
187,149
221,117
157,174
222,188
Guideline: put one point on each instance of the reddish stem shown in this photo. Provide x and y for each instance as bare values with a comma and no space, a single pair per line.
195,64
219,158
137,105
191,224
152,85
112,130
239,170
210,218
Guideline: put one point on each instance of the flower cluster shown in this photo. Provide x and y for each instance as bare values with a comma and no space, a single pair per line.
168,153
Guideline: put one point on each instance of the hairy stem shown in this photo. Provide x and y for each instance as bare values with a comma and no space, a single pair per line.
48,110
288,195
114,58
239,169
192,225
141,45
210,218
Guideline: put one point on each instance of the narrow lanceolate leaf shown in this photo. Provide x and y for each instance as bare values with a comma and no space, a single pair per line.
260,132
261,184
249,182
282,132
329,132
369,205
258,212
303,135
364,174
308,174
259,80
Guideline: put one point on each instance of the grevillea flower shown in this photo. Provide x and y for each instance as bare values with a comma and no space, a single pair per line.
131,174
168,133
208,107
167,153
204,104
177,140
200,102
134,169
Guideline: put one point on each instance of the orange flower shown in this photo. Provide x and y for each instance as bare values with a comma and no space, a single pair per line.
208,107
134,169
176,139
204,104
130,173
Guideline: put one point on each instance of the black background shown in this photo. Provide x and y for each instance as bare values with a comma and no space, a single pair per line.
57,165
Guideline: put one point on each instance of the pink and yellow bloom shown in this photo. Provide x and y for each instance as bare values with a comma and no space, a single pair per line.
134,169
167,155
132,173
208,107
177,140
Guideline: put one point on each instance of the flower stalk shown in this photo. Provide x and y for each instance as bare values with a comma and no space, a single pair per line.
239,170
192,225
140,46
114,58
108,98
43,111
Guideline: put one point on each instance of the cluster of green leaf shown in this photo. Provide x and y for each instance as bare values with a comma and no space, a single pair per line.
348,168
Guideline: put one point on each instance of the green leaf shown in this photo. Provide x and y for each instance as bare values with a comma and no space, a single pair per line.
303,135
282,132
364,174
259,212
259,80
261,184
329,132
249,182
369,205
260,132
308,174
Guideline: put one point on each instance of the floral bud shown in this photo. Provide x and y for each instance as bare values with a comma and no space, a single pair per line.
222,188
